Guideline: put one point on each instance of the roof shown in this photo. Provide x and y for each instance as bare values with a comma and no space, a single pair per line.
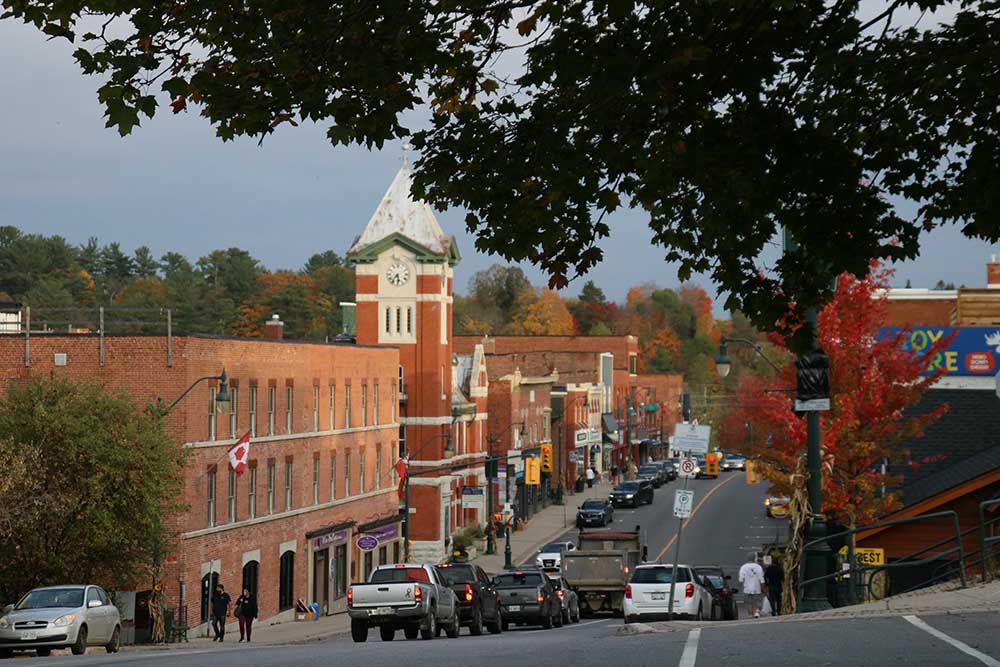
399,217
968,436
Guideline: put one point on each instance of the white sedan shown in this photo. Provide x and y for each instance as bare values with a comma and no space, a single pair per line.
647,595
550,556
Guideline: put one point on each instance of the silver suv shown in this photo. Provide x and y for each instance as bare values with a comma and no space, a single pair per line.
53,617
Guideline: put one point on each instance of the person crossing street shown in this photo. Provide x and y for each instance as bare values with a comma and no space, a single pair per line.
752,578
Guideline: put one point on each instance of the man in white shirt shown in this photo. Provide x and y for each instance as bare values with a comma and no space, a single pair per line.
590,477
752,578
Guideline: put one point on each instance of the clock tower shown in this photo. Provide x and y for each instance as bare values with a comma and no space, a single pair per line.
403,271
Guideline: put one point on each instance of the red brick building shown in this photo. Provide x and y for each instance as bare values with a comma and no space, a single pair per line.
324,435
955,307
404,278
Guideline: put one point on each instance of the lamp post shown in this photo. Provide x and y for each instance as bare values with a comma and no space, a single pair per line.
814,560
222,397
406,489
491,547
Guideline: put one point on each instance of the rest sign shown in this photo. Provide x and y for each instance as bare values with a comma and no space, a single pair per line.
683,500
692,438
688,467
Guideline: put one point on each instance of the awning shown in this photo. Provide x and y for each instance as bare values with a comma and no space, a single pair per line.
609,422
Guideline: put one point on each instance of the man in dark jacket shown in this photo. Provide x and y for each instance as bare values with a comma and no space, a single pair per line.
774,577
220,610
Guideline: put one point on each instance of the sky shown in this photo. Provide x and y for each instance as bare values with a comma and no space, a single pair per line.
173,186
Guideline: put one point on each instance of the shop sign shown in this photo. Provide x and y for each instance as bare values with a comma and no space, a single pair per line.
330,538
472,498
367,542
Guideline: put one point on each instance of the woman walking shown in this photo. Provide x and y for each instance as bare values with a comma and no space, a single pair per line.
246,611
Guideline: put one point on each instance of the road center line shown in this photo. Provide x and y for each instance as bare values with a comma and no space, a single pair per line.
961,646
690,653
693,512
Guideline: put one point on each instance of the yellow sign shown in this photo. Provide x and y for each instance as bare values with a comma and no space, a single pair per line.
532,472
866,556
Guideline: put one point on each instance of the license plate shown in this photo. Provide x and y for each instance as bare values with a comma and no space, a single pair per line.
29,636
659,596
514,607
384,611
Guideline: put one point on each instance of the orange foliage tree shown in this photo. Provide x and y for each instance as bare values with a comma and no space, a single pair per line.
542,314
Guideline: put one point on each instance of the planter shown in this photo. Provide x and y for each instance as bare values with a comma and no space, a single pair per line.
479,544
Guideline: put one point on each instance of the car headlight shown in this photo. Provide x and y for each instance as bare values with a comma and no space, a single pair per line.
630,495
63,621
4,623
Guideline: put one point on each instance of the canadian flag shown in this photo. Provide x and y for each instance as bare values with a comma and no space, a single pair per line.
239,453
402,466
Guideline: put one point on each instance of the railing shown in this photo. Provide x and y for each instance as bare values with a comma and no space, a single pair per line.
986,563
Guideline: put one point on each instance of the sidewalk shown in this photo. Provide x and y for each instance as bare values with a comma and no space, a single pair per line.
544,527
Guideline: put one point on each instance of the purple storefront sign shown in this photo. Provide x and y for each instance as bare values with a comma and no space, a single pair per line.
384,533
330,538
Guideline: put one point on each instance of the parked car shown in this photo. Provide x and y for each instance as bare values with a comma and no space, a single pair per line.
527,597
734,462
595,512
404,596
478,601
669,468
55,617
647,595
569,602
652,472
550,556
776,507
716,582
632,494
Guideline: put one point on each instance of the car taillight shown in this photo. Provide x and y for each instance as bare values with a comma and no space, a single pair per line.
468,593
418,593
689,591
560,593
628,591
350,596
541,597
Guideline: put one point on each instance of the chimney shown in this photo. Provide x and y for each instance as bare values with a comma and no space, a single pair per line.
274,328
993,273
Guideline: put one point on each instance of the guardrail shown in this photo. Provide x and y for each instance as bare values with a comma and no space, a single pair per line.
984,542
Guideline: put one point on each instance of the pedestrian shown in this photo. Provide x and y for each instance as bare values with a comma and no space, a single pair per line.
752,578
774,577
614,474
245,611
220,610
591,474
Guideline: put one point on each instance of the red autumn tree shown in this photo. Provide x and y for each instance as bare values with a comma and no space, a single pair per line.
872,384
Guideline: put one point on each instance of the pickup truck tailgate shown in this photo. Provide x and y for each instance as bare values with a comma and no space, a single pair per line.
383,595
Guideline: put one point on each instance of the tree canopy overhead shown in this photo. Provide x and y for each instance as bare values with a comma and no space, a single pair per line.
723,120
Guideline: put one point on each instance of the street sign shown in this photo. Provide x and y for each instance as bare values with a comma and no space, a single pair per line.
683,500
814,405
688,467
692,438
473,498
866,556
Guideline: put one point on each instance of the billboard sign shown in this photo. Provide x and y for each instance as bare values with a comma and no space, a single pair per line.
972,351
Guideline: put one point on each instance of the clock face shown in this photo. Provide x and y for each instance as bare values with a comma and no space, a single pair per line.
397,274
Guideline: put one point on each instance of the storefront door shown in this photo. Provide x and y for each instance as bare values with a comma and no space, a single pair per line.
321,579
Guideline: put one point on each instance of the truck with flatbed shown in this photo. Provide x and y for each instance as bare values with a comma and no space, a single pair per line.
599,569
406,596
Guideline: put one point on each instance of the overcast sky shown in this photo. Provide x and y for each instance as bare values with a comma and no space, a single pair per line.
173,186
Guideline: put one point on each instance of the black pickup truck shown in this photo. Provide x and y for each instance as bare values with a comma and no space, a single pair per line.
528,598
478,600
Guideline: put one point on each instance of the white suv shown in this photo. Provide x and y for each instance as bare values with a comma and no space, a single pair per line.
647,595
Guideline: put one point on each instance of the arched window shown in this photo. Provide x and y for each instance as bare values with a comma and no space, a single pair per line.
250,577
208,584
286,581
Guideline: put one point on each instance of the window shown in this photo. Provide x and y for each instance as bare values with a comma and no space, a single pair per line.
378,467
333,477
547,427
211,498
211,413
399,320
252,494
364,405
388,320
347,474
288,409
333,412
231,506
395,552
375,404
250,571
392,403
270,410
288,485
383,554
340,571
270,487
409,319
315,424
632,364
361,472
402,387
347,406
286,581
369,566
253,412
233,412
316,481
402,440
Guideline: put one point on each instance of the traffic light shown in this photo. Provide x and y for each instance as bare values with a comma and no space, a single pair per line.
492,468
546,458
712,464
532,472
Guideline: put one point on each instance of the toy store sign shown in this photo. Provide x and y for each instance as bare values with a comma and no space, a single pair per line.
971,351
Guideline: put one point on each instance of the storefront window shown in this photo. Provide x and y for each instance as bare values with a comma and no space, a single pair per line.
286,581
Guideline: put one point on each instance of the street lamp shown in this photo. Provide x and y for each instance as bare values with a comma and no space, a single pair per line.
222,397
723,364
490,531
